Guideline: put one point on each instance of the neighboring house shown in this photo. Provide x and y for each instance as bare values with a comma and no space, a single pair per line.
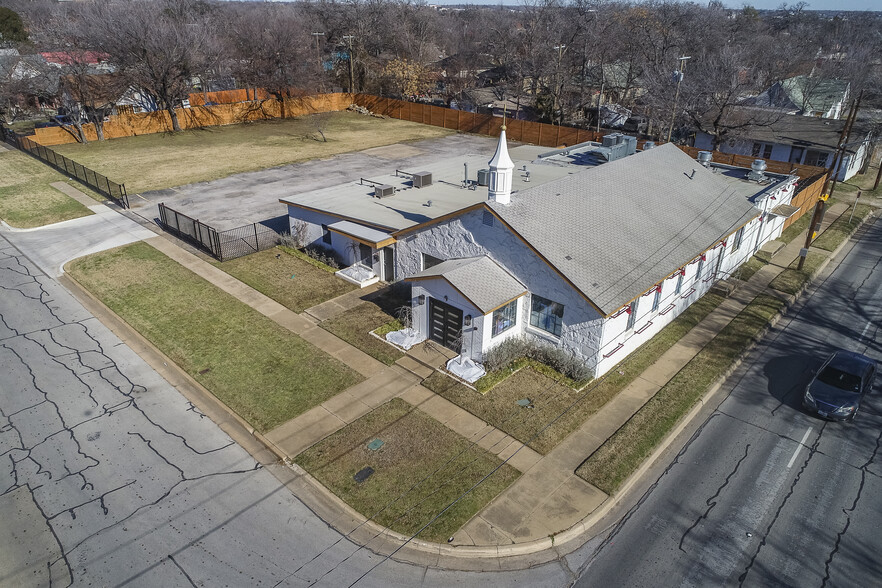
798,139
100,62
805,96
586,247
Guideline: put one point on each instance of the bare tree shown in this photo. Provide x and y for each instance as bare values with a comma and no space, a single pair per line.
159,47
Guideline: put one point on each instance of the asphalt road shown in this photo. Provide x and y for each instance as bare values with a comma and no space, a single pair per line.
764,494
110,477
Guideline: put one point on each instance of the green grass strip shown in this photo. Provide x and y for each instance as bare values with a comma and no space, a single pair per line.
265,373
615,460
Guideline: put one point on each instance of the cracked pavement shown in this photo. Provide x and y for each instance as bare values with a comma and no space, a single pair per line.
763,493
110,477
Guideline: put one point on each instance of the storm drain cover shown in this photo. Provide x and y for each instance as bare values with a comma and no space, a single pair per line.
524,402
363,474
375,444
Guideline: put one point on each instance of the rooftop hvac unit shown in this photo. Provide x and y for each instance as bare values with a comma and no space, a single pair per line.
612,139
631,143
422,179
705,157
483,177
648,145
384,190
757,170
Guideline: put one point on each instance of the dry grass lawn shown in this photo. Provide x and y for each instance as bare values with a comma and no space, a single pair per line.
265,373
163,160
623,453
287,278
26,198
552,394
421,468
356,324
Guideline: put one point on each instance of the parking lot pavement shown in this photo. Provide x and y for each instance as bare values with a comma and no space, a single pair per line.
253,197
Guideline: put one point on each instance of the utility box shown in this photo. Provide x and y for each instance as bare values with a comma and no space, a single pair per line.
384,191
422,179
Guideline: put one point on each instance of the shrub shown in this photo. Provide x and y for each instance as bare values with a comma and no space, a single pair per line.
326,256
558,358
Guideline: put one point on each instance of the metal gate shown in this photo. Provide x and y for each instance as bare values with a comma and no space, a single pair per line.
445,324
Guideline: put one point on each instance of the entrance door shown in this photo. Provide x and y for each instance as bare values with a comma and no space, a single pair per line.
388,265
445,324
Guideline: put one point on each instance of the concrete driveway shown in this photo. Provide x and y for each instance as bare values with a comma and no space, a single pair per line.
253,197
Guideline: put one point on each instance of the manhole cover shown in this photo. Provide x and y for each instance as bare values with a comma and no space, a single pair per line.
363,475
375,444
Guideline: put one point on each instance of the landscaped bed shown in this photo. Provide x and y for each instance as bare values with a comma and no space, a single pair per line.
265,373
420,469
287,277
356,324
26,198
552,394
163,160
615,460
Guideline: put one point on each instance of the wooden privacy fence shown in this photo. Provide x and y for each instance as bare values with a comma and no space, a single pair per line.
536,133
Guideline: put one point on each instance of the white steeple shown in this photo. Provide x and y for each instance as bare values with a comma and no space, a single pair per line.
501,167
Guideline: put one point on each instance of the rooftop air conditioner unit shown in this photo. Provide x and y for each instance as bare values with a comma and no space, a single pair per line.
483,177
648,145
611,139
422,179
384,190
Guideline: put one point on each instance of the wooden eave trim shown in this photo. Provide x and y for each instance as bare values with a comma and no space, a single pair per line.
340,216
506,303
440,219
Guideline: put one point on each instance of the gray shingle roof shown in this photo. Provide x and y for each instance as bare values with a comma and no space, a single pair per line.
480,279
616,230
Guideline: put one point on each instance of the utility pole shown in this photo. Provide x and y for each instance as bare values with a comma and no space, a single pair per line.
820,205
318,52
351,65
679,75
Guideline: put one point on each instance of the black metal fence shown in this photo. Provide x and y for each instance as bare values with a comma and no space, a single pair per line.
223,245
86,176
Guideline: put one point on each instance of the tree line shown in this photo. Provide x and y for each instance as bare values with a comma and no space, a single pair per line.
681,65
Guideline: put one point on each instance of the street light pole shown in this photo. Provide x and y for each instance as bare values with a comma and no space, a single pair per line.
351,66
679,74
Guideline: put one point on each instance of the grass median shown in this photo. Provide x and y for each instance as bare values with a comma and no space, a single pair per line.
265,373
163,160
421,468
287,278
27,199
791,280
621,455
842,228
551,394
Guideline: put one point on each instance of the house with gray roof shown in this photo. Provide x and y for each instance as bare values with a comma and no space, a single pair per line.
593,248
799,139
805,95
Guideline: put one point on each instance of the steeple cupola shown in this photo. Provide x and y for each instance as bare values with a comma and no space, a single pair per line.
501,167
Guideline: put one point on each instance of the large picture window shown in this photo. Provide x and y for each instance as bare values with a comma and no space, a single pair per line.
546,314
505,318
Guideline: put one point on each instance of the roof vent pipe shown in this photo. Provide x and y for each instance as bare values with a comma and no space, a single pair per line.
465,175
705,158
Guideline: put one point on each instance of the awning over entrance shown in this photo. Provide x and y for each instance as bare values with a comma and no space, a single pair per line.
481,280
784,210
362,234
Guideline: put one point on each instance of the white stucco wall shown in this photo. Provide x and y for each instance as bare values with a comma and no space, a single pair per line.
340,244
467,236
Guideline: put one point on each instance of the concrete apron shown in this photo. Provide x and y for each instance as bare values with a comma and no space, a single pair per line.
355,526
